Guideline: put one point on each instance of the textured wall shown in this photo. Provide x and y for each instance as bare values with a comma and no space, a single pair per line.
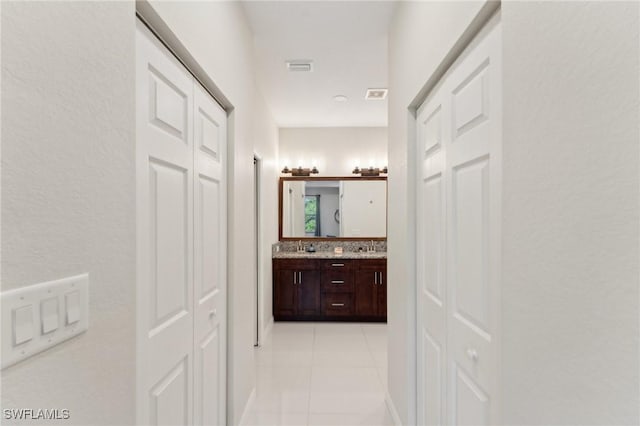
335,149
570,277
68,195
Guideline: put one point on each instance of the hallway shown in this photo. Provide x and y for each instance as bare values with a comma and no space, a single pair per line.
321,374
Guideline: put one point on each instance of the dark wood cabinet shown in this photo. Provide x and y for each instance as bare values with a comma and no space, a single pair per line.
329,289
296,288
371,289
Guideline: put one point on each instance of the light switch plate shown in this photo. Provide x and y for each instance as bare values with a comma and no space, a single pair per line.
46,305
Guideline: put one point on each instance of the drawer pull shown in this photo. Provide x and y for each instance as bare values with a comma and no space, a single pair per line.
337,265
337,282
337,304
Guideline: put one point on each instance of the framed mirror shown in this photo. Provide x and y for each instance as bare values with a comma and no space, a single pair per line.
333,208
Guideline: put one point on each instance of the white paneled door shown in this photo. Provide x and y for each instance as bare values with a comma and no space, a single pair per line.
458,220
181,240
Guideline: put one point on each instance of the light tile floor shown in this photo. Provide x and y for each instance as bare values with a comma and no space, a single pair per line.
318,374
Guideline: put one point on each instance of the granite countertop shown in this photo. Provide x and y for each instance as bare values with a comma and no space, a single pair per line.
329,255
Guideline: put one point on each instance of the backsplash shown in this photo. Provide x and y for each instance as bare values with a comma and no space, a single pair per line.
347,246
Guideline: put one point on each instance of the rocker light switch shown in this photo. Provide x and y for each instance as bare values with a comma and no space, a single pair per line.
49,315
73,307
35,317
22,325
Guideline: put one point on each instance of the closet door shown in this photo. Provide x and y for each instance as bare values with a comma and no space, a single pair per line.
181,244
164,179
431,284
458,219
473,216
210,135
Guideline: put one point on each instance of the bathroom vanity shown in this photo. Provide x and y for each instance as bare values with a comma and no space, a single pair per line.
321,286
345,212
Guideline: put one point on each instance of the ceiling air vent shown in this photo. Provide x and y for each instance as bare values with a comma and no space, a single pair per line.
300,66
376,94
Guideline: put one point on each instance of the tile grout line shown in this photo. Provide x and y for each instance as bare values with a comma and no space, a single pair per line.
313,352
382,385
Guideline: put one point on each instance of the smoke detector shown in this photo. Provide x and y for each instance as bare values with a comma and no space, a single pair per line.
300,65
376,94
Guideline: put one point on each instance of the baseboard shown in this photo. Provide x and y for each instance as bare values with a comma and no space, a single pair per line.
252,397
392,409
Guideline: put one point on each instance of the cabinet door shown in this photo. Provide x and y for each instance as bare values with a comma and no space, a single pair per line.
366,291
284,292
382,292
308,289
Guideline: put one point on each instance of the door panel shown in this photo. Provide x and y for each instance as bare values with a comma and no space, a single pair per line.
458,244
169,235
207,393
366,295
169,109
164,164
181,243
432,133
284,292
432,381
168,404
470,402
210,260
474,232
469,229
309,290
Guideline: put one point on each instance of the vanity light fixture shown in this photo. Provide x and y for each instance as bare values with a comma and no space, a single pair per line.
300,171
371,171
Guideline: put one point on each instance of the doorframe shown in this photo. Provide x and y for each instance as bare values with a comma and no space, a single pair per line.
259,238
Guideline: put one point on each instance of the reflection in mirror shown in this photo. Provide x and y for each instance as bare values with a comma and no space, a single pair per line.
346,208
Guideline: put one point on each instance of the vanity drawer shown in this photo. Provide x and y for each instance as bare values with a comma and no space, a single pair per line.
338,281
337,304
337,264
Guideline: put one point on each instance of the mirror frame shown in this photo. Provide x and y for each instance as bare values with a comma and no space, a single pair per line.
325,178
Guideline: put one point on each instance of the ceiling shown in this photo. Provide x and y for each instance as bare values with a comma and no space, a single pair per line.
347,42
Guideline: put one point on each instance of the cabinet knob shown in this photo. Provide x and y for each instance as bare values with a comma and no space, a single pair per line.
472,354
213,313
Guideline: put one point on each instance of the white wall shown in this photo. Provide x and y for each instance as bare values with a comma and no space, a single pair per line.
421,35
218,37
571,194
336,150
68,195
